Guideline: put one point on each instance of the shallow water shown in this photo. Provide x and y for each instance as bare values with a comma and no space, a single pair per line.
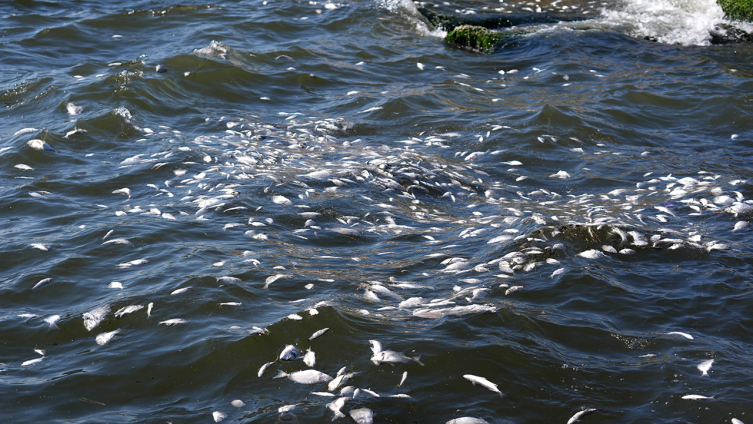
558,217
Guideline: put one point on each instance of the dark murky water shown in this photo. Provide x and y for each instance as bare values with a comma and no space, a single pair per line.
565,217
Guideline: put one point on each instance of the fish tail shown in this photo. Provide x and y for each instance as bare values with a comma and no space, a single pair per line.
281,374
418,359
52,328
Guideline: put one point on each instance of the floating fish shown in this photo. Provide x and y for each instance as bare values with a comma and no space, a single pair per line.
127,310
218,416
238,403
94,317
467,420
290,353
705,366
173,321
696,397
679,333
103,338
318,333
41,283
32,362
52,320
38,144
483,382
578,415
264,368
309,358
390,356
362,415
306,376
336,405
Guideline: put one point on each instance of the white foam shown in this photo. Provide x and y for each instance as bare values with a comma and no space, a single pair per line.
686,22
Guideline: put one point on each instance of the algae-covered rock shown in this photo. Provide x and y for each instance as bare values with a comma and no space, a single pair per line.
739,10
474,38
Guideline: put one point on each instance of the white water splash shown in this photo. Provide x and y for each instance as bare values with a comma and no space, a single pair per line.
686,22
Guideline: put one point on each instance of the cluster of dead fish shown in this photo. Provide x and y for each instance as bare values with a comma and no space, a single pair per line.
409,192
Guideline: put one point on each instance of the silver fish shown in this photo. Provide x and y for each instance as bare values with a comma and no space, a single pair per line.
580,414
336,405
362,415
41,283
264,368
52,319
705,366
105,337
32,362
149,309
679,333
318,333
94,317
467,420
38,144
218,416
696,397
402,380
309,358
483,382
290,353
238,403
380,355
306,376
173,321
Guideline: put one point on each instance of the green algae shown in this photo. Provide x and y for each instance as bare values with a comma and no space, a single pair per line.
474,38
739,10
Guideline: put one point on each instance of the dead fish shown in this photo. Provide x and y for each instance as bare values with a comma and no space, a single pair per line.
117,241
739,225
281,200
380,355
309,358
591,254
38,144
273,278
238,403
103,338
228,279
580,414
336,405
149,309
305,377
696,397
94,317
467,420
264,368
679,333
513,289
173,321
52,319
41,246
127,310
705,366
41,283
362,415
290,353
218,416
402,380
124,190
483,382
318,333
32,362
